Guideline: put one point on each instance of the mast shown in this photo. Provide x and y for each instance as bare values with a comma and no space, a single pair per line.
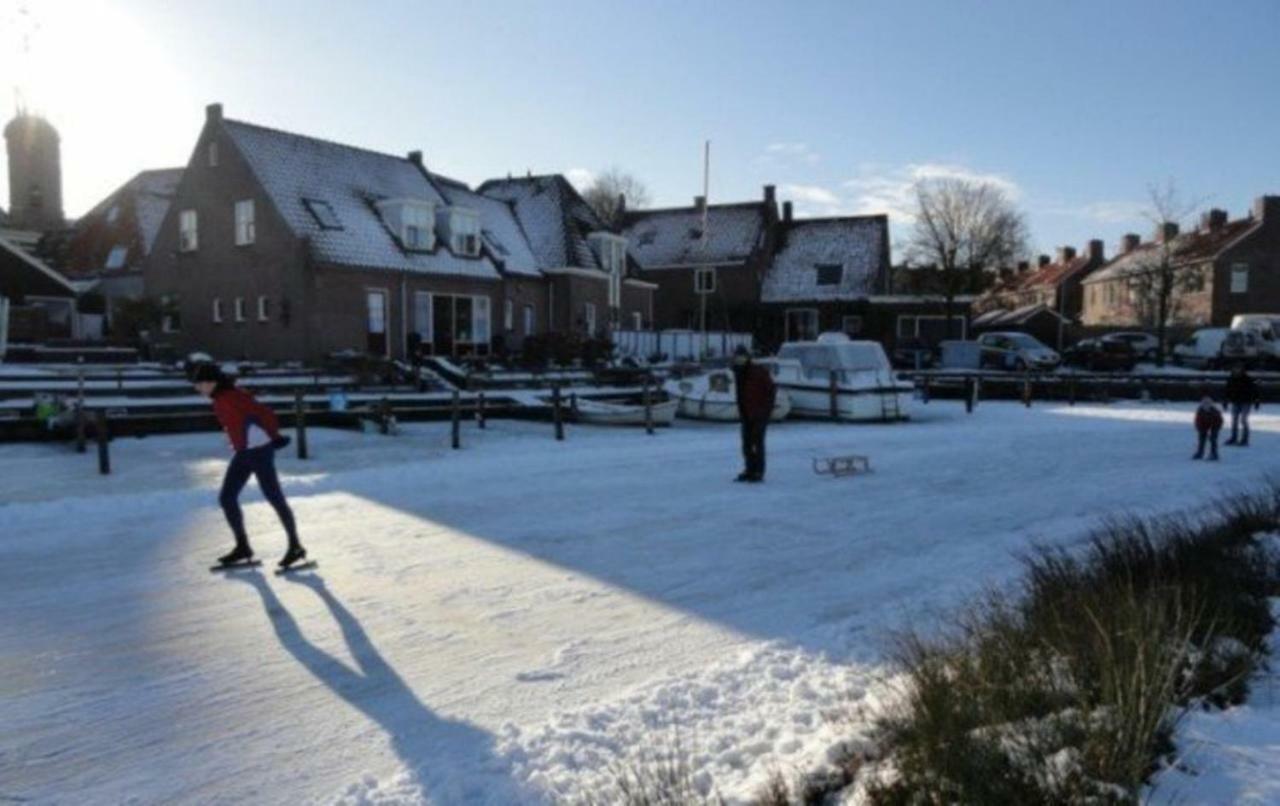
702,244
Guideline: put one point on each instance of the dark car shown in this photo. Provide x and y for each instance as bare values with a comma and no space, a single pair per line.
913,354
1101,355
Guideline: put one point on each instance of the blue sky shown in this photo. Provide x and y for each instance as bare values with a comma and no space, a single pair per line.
1075,107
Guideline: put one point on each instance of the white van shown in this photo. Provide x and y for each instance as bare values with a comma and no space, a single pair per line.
1267,328
1216,348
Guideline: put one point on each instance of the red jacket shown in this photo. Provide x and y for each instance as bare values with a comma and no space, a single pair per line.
1208,419
248,423
756,392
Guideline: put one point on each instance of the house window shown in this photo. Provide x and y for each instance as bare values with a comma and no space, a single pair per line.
802,324
851,325
637,320
612,251
244,222
830,273
464,233
323,213
115,259
422,315
528,320
187,237
376,322
217,311
264,309
508,315
589,314
480,320
213,153
705,281
1239,278
416,231
238,307
171,318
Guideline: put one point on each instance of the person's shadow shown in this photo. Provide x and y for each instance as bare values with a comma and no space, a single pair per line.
448,761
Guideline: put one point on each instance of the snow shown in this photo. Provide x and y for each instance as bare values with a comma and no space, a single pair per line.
856,244
505,623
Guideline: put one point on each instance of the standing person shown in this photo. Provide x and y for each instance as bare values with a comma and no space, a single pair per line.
255,437
1242,394
1208,424
756,393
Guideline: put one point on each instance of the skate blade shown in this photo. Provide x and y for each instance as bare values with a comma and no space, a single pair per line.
303,566
235,566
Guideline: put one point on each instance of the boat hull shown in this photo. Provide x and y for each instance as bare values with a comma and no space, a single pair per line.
882,404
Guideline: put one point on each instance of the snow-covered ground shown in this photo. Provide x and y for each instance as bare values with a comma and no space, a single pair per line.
505,623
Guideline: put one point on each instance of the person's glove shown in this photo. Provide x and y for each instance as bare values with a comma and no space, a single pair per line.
281,442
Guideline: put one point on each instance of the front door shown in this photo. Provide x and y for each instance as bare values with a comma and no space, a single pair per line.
376,329
442,324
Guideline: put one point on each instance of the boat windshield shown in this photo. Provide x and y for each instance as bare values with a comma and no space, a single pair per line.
854,356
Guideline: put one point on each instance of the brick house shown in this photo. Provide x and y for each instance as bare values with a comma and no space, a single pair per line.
1222,268
279,246
1055,284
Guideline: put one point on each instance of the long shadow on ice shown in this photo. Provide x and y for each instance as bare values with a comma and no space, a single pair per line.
449,761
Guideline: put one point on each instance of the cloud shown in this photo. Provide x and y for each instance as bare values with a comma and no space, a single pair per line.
811,194
1105,212
890,189
788,153
580,178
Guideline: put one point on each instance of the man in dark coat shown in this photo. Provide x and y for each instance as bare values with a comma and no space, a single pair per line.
756,393
1242,395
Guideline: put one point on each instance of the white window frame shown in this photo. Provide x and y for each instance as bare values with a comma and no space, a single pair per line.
1239,278
426,334
530,320
245,227
481,311
238,309
212,153
637,321
817,323
217,310
264,308
188,231
700,286
418,217
464,232
589,317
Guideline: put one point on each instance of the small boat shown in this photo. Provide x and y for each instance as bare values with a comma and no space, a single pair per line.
603,412
712,397
858,373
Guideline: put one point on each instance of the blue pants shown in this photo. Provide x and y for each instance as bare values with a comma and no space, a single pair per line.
1240,423
259,462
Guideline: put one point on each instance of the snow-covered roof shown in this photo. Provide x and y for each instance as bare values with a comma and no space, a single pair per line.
150,193
1016,317
553,216
673,237
1189,247
294,169
848,255
500,230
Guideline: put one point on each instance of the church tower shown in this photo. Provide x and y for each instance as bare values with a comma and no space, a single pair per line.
35,173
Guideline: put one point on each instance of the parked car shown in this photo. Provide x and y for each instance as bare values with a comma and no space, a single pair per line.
1101,355
913,354
1016,351
1144,345
1267,328
1217,347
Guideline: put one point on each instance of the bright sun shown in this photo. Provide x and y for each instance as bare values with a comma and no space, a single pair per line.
108,85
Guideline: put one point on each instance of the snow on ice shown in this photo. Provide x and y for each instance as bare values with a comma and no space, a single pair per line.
507,623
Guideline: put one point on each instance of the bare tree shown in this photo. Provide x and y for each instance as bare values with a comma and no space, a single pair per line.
608,188
1158,282
964,226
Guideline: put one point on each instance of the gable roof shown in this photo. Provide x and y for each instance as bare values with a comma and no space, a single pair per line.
149,195
554,217
293,169
500,230
1016,317
22,274
1188,247
859,245
672,237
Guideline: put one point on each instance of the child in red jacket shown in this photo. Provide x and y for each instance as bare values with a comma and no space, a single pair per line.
1208,424
255,436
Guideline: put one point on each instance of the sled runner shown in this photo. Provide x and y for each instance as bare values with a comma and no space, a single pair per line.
837,466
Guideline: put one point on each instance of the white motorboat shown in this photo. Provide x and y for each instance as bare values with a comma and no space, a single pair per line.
712,397
602,412
856,373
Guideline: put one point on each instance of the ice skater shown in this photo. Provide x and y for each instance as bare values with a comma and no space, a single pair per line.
255,437
1242,395
1208,424
756,393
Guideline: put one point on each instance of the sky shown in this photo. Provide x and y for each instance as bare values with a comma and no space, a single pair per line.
1074,108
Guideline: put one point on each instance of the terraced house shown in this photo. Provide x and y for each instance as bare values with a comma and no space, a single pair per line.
280,246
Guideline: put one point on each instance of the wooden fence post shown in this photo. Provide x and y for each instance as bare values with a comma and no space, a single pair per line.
480,410
924,392
80,427
104,456
1071,391
970,394
648,406
1026,390
456,417
835,397
556,415
384,416
300,423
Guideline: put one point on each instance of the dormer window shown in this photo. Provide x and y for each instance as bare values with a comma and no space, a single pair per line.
323,213
461,227
411,220
830,273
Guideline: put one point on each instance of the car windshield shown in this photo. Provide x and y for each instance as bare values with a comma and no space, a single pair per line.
1025,342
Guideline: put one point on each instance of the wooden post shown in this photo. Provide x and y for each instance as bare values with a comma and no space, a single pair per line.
970,387
300,423
104,456
1071,391
556,415
924,392
1026,390
480,410
835,397
648,407
456,417
384,416
80,427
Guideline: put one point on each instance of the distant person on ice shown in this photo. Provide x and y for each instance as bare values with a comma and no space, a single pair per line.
756,393
1208,424
255,437
1242,395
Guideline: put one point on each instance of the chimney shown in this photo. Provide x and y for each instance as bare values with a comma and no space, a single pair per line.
1097,251
1066,254
1266,207
699,202
1167,232
1129,242
1024,266
1042,261
769,194
786,211
622,203
213,113
416,158
1213,220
